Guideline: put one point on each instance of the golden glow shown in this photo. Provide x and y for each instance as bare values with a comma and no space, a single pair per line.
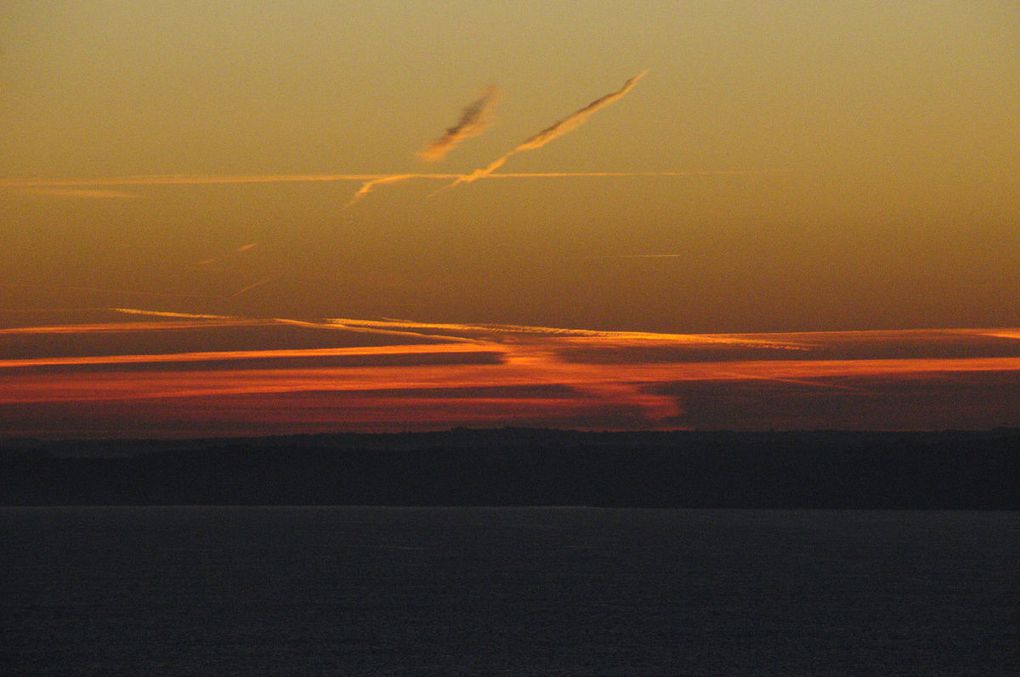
418,390
793,220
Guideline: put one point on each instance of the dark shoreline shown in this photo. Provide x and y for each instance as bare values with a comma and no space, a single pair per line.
951,470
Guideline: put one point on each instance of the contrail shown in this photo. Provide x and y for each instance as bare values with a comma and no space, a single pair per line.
167,313
474,119
634,256
554,131
253,285
107,290
84,193
572,122
370,185
188,180
368,181
490,331
240,250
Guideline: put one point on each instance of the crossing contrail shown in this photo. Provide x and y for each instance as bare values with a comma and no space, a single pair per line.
554,131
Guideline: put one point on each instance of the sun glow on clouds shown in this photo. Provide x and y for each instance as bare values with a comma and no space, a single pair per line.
434,375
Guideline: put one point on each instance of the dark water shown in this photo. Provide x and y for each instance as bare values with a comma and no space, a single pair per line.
514,591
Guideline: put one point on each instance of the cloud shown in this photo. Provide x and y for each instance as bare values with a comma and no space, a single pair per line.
572,336
405,384
186,180
253,285
552,132
368,186
486,173
575,120
166,313
240,250
240,355
233,180
368,181
84,193
107,290
475,118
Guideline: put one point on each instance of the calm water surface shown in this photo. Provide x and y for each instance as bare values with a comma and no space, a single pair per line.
215,590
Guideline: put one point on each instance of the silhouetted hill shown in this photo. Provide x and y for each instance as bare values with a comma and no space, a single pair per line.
925,470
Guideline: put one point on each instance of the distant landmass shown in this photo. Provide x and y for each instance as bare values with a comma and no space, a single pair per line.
882,470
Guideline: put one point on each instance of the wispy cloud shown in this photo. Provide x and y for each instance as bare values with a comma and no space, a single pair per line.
165,313
83,193
243,249
369,181
109,291
503,373
185,180
474,119
253,285
554,131
578,118
126,327
368,186
231,180
238,355
605,338
635,256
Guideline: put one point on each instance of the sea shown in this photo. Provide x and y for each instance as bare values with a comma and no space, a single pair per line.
507,591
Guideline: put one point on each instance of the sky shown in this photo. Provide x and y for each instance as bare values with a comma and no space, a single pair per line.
260,218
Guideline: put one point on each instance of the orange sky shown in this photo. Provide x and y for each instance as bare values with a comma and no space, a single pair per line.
749,206
393,375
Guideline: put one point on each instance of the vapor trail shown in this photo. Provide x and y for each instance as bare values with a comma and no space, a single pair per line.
368,181
84,193
105,290
368,186
554,131
474,119
187,180
575,120
167,313
635,256
253,285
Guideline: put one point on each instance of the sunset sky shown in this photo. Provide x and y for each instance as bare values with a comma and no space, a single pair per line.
259,218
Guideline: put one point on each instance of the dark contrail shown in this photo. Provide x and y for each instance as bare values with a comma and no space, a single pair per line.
474,119
554,131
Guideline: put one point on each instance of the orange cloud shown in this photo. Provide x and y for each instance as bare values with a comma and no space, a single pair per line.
236,355
121,327
511,373
167,313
